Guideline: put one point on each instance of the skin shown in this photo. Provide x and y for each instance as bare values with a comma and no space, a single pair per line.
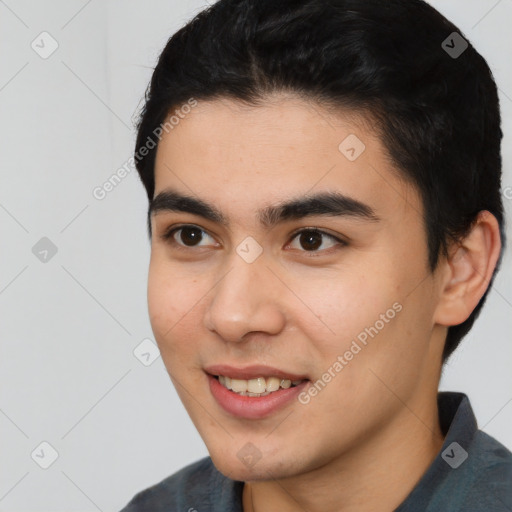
365,440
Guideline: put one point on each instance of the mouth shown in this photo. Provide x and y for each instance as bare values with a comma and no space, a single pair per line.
260,386
254,392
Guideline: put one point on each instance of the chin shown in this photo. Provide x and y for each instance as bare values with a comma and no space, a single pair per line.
235,470
249,464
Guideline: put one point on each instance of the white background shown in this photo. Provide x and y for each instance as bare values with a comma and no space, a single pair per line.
68,327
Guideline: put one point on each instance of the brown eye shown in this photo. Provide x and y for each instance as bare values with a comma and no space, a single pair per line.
190,235
185,236
311,239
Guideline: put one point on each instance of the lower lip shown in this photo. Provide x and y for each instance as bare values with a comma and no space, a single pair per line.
252,407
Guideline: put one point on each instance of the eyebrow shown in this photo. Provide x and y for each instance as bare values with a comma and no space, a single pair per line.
332,204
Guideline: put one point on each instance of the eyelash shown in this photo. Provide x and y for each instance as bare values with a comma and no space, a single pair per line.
168,235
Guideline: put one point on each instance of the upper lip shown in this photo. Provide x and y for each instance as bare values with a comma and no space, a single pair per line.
252,372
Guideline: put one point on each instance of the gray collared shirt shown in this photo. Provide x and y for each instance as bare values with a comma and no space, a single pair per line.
471,473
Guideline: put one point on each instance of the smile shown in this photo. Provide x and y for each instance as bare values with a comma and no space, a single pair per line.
259,386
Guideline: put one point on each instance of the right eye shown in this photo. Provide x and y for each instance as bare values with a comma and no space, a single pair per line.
188,233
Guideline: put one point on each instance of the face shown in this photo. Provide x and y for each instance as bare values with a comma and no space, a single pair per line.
339,294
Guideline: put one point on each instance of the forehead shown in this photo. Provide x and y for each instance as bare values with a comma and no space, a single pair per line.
224,128
241,156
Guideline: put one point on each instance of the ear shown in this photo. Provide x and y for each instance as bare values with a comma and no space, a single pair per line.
467,271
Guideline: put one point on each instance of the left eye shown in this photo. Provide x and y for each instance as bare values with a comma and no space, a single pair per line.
310,239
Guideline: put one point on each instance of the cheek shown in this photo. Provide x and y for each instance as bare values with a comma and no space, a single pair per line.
171,305
341,306
368,321
160,304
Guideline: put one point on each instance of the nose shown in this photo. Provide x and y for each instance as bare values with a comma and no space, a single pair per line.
248,298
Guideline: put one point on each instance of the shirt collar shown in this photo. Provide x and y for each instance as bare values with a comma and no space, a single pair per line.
458,424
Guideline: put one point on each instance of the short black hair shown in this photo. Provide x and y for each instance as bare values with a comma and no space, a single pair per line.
436,112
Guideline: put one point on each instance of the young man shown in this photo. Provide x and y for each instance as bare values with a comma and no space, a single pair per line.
326,221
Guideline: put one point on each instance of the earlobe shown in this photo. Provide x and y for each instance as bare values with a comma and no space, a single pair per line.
468,271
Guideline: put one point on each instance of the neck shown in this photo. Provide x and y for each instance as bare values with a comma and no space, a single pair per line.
376,475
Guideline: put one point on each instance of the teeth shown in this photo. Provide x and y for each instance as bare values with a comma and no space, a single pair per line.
273,384
238,385
257,385
260,386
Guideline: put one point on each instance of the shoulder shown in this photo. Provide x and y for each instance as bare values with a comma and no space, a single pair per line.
183,490
493,460
489,472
